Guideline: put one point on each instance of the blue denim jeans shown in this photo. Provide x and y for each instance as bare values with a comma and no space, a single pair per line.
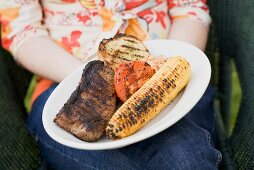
188,144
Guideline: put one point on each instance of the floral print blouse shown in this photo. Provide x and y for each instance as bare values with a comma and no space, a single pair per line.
79,25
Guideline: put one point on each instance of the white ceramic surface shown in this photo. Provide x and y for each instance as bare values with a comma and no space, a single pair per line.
184,102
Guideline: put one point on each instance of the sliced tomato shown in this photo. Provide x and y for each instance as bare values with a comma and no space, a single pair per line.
130,76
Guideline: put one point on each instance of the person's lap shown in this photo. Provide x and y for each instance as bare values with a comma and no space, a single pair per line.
185,145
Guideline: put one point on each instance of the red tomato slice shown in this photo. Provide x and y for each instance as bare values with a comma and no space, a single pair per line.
130,76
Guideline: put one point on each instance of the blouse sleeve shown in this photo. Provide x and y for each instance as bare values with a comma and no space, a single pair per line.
193,9
20,20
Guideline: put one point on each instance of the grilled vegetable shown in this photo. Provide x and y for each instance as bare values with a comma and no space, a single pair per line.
130,76
150,99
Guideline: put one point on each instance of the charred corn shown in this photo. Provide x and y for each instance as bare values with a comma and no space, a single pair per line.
150,99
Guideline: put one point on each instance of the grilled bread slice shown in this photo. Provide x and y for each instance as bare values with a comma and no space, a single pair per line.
150,99
121,48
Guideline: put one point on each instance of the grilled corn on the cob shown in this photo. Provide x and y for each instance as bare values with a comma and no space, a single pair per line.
150,99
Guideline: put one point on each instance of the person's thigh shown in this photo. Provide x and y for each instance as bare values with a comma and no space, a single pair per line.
185,145
203,114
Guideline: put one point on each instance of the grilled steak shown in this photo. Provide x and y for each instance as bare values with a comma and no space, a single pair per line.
91,105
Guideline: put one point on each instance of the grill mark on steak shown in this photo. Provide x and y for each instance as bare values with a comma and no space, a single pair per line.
89,108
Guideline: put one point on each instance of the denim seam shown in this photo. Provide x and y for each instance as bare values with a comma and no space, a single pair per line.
208,138
76,160
219,159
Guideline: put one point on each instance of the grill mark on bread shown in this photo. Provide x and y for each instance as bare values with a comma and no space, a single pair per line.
130,47
139,56
131,41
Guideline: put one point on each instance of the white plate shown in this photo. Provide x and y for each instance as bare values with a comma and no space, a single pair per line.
185,101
